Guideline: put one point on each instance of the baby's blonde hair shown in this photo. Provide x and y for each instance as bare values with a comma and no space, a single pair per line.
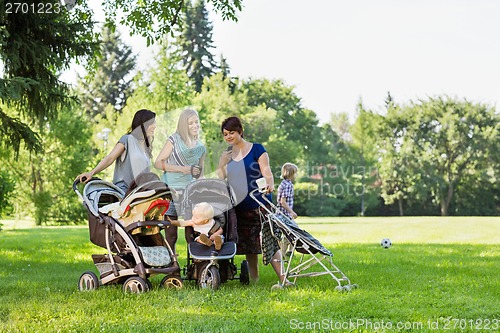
204,210
288,170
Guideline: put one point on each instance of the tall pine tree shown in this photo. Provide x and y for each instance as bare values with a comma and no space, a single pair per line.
195,43
111,82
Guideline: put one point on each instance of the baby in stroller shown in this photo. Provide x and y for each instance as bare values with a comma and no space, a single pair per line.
207,231
211,199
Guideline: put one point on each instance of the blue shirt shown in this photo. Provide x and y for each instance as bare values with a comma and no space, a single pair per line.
242,176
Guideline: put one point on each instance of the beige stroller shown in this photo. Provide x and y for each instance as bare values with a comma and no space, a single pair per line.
129,227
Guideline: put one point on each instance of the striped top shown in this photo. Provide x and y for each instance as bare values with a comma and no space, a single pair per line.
182,155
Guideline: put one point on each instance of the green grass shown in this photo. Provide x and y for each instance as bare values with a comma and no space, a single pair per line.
440,271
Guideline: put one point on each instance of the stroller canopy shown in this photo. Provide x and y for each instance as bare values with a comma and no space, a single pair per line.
98,193
214,191
146,187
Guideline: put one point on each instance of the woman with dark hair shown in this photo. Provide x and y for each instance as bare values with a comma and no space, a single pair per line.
241,165
131,154
181,160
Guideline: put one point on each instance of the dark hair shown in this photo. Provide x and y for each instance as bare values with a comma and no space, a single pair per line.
140,118
232,124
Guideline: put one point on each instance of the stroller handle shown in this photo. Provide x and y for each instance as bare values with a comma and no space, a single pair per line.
252,195
75,186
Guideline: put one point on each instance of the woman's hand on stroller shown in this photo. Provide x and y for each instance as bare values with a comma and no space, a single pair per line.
85,177
269,189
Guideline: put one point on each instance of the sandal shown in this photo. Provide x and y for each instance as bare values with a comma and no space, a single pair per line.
205,240
218,242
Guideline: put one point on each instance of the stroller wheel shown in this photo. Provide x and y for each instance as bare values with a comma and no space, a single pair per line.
172,282
136,285
88,281
244,273
150,285
347,288
277,286
209,278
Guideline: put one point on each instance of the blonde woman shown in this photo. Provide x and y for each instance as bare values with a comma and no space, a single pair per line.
181,160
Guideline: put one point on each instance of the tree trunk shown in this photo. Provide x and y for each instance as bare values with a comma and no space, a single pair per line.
445,202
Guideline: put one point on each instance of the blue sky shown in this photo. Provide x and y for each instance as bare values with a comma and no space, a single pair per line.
336,52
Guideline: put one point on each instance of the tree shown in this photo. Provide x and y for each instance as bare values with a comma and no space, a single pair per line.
43,181
214,103
110,82
340,124
293,124
155,19
442,142
6,188
34,48
195,42
224,67
393,166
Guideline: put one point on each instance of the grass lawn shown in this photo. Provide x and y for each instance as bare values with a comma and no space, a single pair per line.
440,275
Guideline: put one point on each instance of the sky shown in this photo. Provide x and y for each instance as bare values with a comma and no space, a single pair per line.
338,53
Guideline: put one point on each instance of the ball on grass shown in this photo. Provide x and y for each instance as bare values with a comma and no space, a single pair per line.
386,243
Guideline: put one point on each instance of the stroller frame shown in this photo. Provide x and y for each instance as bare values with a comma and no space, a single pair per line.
119,243
292,233
208,267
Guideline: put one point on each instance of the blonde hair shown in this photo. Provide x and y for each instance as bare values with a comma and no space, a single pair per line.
182,124
288,170
204,210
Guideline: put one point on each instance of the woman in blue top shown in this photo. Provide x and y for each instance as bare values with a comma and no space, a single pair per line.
242,165
181,160
131,154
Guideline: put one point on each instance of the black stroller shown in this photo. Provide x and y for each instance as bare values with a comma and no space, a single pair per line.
128,226
205,265
310,250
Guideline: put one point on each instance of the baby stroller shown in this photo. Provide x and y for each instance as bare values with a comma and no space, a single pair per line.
128,226
284,229
205,265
